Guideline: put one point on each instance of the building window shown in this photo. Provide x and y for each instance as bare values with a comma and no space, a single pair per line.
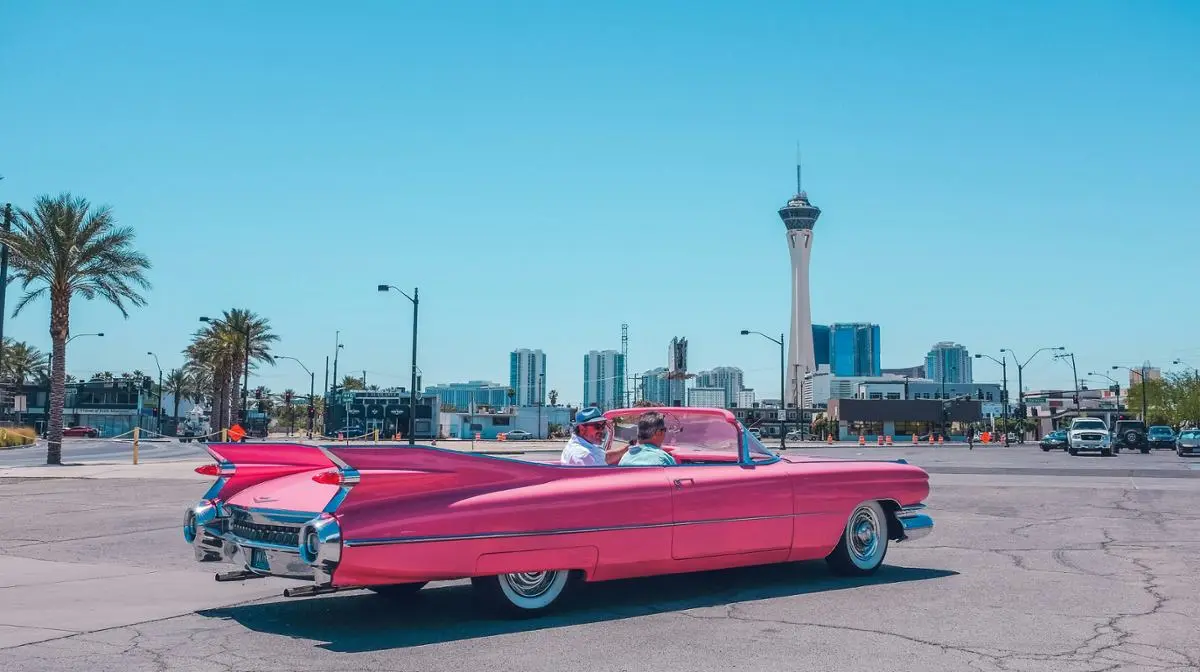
876,395
893,395
989,396
500,422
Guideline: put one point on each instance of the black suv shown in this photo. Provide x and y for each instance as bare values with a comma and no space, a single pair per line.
1130,434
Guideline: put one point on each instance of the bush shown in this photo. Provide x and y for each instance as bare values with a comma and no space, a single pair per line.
17,436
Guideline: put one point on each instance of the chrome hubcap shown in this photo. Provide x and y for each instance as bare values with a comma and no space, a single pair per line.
864,535
530,584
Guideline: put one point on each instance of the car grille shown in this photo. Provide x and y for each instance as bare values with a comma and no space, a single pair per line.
1091,437
279,535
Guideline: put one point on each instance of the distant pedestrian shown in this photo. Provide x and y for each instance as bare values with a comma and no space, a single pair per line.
971,437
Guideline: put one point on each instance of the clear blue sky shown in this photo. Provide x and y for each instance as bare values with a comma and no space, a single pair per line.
1001,174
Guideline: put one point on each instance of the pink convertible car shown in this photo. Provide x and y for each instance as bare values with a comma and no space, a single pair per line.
391,519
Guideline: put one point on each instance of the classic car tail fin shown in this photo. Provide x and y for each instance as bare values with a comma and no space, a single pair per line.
240,466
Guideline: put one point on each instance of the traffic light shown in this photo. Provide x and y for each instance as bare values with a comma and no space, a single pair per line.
311,411
258,393
287,397
262,407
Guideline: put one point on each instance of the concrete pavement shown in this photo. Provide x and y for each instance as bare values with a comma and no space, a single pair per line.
1022,573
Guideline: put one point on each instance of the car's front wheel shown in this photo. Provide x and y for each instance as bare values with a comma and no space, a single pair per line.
524,594
1072,451
864,542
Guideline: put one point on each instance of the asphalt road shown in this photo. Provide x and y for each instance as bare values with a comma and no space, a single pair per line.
1024,571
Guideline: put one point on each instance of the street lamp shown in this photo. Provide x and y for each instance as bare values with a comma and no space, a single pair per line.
312,390
782,387
246,380
1115,382
1003,362
160,391
1021,413
1142,375
412,393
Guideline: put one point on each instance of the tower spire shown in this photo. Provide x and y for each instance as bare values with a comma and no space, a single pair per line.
799,182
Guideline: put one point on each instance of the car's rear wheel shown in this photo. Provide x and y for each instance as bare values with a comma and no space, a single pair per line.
398,591
864,542
525,594
1045,449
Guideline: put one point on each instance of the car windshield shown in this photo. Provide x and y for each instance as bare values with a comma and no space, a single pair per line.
692,435
1162,431
1089,424
1191,434
1058,435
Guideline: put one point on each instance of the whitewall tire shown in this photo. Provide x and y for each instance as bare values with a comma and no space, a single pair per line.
864,542
526,593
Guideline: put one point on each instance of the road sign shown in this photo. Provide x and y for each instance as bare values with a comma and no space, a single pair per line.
236,433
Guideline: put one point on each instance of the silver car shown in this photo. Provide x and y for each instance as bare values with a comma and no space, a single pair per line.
1188,442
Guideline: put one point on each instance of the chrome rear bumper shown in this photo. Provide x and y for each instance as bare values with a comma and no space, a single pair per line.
209,528
915,524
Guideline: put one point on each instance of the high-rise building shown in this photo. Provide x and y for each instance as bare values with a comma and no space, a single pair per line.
948,362
745,399
799,216
706,397
604,379
656,387
527,376
462,396
677,371
728,378
854,349
820,345
1135,374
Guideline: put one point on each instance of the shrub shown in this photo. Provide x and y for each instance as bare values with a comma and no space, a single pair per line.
17,436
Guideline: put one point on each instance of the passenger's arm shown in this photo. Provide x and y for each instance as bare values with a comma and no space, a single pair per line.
615,452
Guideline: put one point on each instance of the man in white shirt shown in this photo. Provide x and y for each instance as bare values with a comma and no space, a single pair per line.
586,445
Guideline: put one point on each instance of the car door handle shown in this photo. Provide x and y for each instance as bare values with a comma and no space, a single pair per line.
684,482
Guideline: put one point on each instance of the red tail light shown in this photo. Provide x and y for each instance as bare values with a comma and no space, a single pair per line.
209,470
328,478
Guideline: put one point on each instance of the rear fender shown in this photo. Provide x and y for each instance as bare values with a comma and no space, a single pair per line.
577,557
241,466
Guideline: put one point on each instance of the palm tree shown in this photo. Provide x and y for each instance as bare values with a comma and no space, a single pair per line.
22,362
553,397
181,385
64,248
352,383
220,350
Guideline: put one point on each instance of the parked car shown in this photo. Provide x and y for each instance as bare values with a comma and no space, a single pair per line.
1160,436
756,433
794,435
1088,434
1188,442
1130,434
527,532
1054,441
518,435
82,431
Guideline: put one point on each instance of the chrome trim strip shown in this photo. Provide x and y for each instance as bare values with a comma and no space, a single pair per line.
384,541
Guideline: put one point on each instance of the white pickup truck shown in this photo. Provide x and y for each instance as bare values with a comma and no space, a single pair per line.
1089,434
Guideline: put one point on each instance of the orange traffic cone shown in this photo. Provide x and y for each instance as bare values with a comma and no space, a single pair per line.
889,439
880,440
829,439
939,439
862,441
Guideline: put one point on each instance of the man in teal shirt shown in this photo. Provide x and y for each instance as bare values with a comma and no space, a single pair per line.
648,452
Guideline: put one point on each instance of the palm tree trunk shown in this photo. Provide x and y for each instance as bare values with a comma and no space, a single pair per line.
60,320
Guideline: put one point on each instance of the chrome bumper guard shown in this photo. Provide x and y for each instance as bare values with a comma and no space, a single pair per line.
206,526
915,524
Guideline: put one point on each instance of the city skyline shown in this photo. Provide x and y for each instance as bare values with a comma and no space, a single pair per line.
911,156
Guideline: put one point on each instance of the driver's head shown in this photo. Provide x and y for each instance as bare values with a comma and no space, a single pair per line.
652,428
590,425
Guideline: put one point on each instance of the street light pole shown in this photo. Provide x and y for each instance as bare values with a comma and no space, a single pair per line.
1021,412
1074,374
1142,375
1116,383
312,389
158,428
1003,362
412,393
782,385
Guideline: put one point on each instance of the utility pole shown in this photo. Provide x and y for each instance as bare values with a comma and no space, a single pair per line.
4,278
